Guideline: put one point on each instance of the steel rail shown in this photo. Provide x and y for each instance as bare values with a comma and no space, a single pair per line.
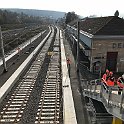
49,105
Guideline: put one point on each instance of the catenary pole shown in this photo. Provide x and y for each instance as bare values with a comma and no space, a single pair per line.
2,50
78,38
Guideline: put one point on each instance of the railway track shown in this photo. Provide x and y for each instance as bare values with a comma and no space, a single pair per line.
50,103
36,97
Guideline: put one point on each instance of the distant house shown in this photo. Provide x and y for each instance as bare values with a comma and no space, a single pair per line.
103,41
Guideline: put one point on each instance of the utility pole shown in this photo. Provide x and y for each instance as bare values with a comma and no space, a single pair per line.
100,73
78,38
2,50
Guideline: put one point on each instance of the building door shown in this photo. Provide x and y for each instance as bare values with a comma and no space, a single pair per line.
111,62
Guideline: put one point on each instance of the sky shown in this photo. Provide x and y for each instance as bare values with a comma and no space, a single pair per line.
80,7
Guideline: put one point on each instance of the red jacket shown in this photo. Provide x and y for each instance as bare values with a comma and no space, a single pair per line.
104,76
120,82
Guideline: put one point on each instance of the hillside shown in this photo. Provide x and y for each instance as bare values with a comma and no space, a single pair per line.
43,13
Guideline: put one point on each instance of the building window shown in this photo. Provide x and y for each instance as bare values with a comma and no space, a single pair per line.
114,45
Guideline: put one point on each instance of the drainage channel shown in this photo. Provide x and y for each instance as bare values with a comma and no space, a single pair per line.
13,106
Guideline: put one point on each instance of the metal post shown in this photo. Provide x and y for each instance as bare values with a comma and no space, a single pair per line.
109,97
87,87
101,90
2,49
122,98
95,87
100,70
90,87
41,35
91,64
100,67
78,38
91,68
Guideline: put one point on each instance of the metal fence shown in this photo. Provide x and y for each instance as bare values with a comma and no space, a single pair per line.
113,102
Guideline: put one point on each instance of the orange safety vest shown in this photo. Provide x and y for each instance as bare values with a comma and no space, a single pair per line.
110,83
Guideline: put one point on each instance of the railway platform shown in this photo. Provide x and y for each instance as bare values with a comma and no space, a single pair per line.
79,101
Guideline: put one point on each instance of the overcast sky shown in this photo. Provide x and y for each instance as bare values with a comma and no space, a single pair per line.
80,7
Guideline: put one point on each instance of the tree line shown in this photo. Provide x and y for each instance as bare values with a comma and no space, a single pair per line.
7,17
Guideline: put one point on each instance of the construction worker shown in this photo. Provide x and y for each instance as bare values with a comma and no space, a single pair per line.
111,79
106,75
68,64
18,49
120,83
105,78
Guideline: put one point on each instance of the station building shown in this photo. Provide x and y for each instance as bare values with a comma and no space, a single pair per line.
102,39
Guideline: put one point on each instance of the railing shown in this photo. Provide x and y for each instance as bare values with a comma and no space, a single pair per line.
113,102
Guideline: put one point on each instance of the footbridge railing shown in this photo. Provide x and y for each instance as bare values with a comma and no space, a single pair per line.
113,102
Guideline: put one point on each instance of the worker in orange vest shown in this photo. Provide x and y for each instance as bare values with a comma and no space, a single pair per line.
120,83
106,75
111,79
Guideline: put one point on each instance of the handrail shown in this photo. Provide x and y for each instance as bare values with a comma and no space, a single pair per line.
108,95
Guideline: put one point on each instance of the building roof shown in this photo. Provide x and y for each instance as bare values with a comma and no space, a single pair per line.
111,25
